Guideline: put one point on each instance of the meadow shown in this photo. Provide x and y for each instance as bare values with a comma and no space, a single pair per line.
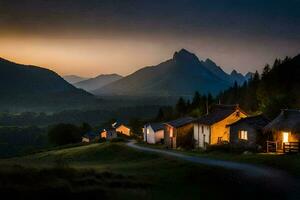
115,171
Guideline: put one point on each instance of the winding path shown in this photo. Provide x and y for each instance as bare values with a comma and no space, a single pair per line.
248,169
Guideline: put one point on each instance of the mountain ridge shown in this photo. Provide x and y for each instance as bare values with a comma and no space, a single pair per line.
29,85
183,74
97,82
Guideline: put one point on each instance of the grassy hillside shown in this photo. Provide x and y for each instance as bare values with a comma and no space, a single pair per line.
113,170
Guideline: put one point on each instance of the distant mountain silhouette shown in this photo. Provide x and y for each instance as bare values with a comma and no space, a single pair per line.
218,71
22,85
182,75
74,79
97,82
237,77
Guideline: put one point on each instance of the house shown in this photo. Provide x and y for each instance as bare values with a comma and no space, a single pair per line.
212,128
121,128
285,131
178,132
90,137
108,134
153,133
248,132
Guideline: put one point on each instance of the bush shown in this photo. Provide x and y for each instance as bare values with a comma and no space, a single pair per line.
62,134
231,148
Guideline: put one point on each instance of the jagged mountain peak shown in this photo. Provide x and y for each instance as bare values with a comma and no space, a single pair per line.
210,62
184,56
234,72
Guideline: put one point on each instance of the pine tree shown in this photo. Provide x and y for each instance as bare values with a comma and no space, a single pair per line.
181,107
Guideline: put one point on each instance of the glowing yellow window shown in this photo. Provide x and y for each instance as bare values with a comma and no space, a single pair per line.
243,135
285,136
171,132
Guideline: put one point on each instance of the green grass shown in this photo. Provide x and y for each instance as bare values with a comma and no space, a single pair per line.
288,163
115,171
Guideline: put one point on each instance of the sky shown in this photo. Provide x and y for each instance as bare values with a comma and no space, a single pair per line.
93,37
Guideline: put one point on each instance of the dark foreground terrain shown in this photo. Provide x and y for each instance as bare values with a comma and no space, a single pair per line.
115,171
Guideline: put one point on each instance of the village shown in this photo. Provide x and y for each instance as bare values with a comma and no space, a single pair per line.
225,125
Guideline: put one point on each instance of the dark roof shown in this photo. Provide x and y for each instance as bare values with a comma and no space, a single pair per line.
180,122
257,122
156,126
287,120
219,112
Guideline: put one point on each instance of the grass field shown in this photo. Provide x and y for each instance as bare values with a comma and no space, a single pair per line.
288,163
115,171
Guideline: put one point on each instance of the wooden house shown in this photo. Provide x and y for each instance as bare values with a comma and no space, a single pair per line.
122,129
284,131
212,128
177,132
153,133
248,132
108,134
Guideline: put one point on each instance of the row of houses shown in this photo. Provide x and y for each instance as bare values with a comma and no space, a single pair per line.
229,124
107,133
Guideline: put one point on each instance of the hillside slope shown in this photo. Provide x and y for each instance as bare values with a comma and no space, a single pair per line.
22,85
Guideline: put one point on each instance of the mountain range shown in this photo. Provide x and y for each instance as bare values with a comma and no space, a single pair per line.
181,75
97,82
26,85
74,79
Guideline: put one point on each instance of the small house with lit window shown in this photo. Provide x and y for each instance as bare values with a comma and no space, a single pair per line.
212,128
284,132
153,133
179,133
248,132
121,129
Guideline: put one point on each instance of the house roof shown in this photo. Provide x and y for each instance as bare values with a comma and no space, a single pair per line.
257,122
180,122
219,112
287,120
117,125
156,126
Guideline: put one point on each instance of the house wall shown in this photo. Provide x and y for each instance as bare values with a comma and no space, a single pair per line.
124,130
219,129
201,138
152,137
169,142
103,134
159,135
178,134
252,135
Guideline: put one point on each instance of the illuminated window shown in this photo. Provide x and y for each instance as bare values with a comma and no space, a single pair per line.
243,135
171,132
285,136
148,131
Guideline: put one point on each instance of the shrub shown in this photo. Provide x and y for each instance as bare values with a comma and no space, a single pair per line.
231,148
62,134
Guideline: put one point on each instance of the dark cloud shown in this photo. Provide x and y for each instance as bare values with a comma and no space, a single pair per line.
275,18
252,30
